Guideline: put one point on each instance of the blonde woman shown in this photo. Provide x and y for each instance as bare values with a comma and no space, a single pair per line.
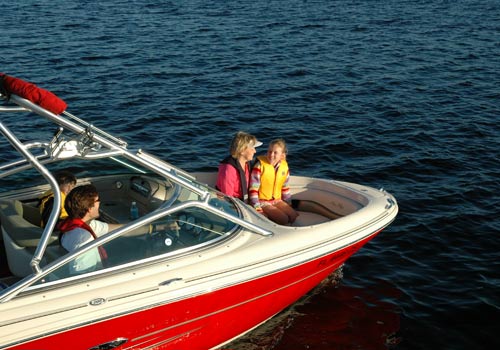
234,170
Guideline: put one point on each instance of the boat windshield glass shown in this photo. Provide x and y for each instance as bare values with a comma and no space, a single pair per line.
180,232
175,218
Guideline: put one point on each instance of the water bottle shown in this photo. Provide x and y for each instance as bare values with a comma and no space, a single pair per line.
134,211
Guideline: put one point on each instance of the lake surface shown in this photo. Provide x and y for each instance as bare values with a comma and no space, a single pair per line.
403,95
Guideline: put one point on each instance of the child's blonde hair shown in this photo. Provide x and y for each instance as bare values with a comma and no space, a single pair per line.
281,143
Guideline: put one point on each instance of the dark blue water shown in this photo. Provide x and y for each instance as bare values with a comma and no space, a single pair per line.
403,95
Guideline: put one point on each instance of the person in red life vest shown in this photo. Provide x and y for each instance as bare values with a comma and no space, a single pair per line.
234,170
269,192
66,181
81,226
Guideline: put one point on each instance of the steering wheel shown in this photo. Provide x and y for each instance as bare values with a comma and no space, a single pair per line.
163,239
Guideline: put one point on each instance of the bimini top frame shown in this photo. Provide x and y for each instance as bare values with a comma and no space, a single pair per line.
90,142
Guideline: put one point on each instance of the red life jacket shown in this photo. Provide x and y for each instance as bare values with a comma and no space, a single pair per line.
70,224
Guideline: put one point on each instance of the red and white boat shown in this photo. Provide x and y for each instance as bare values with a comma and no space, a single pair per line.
219,271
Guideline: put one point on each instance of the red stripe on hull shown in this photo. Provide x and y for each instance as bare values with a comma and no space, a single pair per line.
207,320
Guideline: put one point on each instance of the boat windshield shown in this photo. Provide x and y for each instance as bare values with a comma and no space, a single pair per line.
171,235
173,219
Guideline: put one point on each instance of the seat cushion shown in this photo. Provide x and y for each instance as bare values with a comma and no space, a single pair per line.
22,232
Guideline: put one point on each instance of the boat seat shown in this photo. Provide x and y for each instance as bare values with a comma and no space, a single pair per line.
20,236
309,219
32,214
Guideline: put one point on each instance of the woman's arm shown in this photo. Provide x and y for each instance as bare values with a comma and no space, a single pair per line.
227,180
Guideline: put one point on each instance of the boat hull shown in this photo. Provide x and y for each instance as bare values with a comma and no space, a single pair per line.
204,321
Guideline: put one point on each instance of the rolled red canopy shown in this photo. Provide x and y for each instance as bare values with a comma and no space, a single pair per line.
33,93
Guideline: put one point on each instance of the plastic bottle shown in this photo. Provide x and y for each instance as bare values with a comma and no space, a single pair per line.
134,211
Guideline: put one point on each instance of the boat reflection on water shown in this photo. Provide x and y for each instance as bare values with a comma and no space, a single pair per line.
332,316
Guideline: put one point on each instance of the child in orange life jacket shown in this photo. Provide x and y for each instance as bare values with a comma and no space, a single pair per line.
269,192
66,181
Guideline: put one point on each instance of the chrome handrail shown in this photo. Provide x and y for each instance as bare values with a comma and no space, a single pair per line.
30,158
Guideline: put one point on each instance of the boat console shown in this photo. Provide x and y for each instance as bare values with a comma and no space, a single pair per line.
118,192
